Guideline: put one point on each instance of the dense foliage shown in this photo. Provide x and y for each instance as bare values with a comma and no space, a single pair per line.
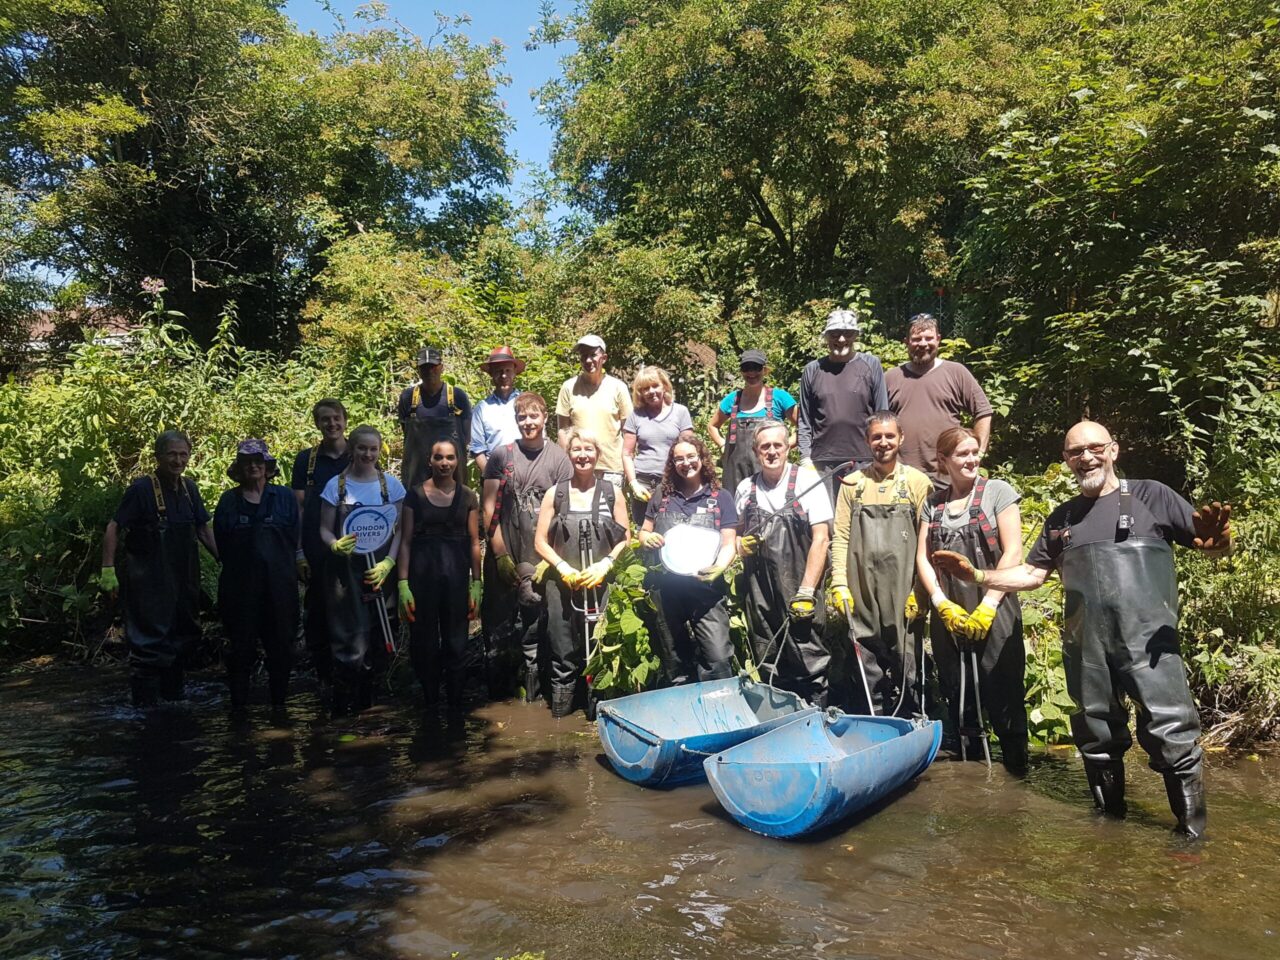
1087,194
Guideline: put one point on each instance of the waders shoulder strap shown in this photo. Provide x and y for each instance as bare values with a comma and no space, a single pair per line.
1125,522
978,517
382,486
508,473
733,416
310,479
448,399
159,496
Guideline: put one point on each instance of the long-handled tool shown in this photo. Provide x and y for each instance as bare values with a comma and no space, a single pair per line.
383,620
591,605
977,694
862,667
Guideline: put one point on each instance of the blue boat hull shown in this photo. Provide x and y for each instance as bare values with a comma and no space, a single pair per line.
660,737
819,770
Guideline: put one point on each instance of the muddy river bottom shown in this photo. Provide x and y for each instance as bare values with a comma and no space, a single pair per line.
184,833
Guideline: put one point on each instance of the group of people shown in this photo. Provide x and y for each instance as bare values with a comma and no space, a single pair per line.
884,516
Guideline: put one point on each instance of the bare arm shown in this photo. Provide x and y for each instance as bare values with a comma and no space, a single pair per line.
982,427
623,519
204,533
1007,580
793,417
718,419
110,539
328,517
540,542
924,569
563,426
816,562
482,460
840,543
728,547
629,456
301,497
496,543
397,537
1009,527
402,555
473,530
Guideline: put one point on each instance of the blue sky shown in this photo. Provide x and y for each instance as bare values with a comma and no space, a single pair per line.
506,20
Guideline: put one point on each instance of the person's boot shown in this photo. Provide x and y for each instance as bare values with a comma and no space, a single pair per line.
278,687
173,684
143,690
532,684
340,696
1186,800
239,690
1106,786
1013,754
561,699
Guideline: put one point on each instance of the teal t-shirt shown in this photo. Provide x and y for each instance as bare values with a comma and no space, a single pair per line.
782,402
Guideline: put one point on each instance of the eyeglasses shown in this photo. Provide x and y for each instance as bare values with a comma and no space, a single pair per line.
1097,449
685,461
751,367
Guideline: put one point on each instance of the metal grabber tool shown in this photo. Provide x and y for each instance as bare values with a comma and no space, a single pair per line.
981,730
588,603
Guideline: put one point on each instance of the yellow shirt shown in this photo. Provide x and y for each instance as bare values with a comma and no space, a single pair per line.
600,411
904,484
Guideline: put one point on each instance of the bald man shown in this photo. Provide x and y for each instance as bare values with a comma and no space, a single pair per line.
1113,547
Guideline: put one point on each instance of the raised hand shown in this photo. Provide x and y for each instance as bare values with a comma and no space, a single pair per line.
1212,524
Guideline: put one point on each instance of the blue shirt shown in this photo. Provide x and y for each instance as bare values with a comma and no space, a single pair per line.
493,423
782,402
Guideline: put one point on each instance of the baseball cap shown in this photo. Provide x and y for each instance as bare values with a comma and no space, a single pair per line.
753,356
429,357
842,320
590,340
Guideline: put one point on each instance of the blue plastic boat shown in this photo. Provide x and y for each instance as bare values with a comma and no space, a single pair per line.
660,737
812,773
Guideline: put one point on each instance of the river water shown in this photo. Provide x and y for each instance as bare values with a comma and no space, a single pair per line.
185,833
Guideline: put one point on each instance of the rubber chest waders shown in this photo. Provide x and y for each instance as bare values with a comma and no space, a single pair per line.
1001,655
1120,638
161,594
770,578
439,577
258,593
422,433
355,641
881,572
569,532
693,617
739,460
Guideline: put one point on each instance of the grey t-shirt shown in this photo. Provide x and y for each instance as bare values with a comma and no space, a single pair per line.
995,498
656,435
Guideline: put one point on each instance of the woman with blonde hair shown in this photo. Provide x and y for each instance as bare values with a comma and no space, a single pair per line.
648,433
582,527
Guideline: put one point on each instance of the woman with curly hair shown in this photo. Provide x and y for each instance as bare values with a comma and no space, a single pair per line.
694,623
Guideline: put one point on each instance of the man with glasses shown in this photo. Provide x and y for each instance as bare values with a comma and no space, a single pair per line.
837,395
1113,547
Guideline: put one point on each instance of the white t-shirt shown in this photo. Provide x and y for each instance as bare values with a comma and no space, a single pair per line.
363,492
816,503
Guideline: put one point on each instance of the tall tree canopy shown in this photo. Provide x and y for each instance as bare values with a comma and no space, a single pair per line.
209,143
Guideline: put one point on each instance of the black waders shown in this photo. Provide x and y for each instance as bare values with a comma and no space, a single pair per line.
770,578
161,595
1001,654
1120,638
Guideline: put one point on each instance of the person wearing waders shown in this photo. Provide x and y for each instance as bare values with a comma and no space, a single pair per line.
493,425
582,527
979,519
744,410
516,478
353,586
428,411
163,518
439,567
783,539
256,527
873,570
837,394
313,468
693,640
648,433
1113,547
930,395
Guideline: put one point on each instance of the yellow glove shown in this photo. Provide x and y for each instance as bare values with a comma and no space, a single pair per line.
748,545
954,617
978,623
506,567
711,574
378,573
840,600
594,575
651,539
344,546
407,606
568,574
540,571
108,580
912,609
641,492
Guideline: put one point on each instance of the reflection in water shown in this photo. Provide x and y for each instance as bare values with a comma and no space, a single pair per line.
181,833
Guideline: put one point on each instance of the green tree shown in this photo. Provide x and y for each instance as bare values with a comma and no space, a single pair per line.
209,143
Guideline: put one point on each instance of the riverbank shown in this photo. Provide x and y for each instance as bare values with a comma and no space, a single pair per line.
181,832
